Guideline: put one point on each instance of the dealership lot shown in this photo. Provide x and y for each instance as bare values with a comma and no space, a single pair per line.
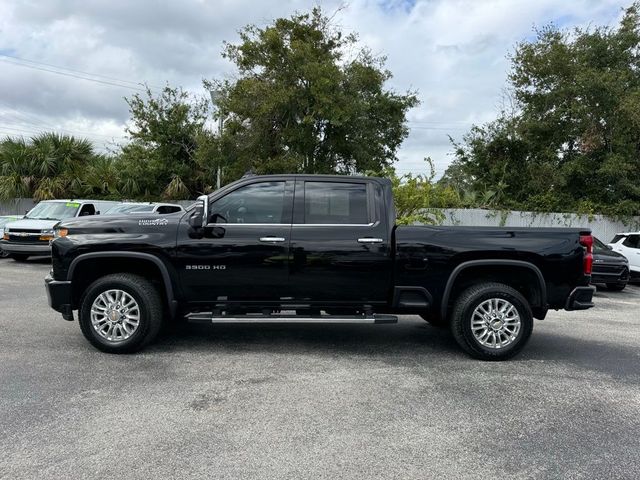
313,401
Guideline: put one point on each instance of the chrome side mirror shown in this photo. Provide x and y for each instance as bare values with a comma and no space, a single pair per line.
200,217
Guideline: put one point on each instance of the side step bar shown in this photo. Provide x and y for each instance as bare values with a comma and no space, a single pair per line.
209,317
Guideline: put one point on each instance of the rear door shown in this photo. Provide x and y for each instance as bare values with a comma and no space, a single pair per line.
339,243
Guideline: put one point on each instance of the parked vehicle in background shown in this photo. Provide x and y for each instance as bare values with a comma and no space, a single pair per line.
137,207
628,244
609,268
31,235
312,249
4,219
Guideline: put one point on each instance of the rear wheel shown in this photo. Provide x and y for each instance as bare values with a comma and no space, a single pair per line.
491,321
616,287
121,313
19,257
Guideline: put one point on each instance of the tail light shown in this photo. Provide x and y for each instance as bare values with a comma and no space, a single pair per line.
587,242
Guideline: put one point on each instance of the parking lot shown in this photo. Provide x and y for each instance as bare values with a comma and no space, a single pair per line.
313,401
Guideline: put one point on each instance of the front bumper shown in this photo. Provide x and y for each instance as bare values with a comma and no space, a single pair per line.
580,298
26,248
610,274
59,295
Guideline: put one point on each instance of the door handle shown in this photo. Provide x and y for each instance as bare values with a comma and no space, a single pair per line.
272,239
369,240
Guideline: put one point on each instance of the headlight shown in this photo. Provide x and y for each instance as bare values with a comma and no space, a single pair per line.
46,234
5,235
60,232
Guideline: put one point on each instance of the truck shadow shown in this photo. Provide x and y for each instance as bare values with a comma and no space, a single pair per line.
410,342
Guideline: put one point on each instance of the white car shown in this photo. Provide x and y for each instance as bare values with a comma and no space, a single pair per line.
628,244
136,207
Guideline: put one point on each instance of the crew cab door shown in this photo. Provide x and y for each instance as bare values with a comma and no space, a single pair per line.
244,253
339,243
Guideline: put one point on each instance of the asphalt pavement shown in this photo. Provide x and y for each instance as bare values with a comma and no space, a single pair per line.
316,401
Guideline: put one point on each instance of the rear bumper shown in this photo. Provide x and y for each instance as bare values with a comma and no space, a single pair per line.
580,298
59,295
26,248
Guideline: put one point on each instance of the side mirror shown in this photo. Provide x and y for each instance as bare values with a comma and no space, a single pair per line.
199,217
609,247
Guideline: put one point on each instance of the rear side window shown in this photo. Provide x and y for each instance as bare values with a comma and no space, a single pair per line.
335,203
631,241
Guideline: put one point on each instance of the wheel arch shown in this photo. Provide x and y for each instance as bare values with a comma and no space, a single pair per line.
537,297
134,262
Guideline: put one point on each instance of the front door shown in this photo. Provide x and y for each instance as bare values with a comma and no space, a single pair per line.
340,243
244,254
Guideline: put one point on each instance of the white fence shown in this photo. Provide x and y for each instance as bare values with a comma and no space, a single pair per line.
602,227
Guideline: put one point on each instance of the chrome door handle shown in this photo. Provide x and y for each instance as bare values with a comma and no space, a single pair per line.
272,239
369,240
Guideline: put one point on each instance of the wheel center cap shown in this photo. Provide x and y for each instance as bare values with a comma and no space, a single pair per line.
114,316
496,324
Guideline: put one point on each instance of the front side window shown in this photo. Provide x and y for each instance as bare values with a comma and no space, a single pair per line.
256,203
335,203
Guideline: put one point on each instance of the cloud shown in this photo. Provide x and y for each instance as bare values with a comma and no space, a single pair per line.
453,52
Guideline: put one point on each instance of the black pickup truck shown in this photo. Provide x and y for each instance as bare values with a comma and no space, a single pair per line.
307,248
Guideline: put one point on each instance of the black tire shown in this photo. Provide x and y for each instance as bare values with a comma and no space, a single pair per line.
616,287
149,303
462,314
435,321
3,254
19,257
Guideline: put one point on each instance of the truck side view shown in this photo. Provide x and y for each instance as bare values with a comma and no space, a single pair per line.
307,248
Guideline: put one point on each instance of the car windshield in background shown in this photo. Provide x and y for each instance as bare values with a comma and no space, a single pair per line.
53,210
127,208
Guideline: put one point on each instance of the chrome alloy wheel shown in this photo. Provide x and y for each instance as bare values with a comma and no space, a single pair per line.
115,315
495,323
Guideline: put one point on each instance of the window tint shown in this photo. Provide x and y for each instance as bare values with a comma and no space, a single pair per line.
617,238
631,241
256,203
598,246
333,202
87,209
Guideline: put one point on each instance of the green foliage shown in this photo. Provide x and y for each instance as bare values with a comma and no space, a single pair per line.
418,199
299,105
571,142
53,166
164,157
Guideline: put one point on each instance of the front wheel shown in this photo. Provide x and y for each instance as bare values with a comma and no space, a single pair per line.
121,313
616,287
491,321
19,257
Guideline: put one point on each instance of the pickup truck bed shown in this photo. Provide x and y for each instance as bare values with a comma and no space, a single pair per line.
295,248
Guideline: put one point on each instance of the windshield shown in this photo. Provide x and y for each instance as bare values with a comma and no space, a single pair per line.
129,207
53,210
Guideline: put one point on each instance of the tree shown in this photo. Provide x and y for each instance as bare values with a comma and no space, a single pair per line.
574,140
52,166
300,105
417,198
162,158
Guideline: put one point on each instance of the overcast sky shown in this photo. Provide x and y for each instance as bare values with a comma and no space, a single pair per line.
453,52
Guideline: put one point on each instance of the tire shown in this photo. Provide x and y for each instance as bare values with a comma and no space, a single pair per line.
511,332
19,257
4,254
434,321
616,287
149,313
